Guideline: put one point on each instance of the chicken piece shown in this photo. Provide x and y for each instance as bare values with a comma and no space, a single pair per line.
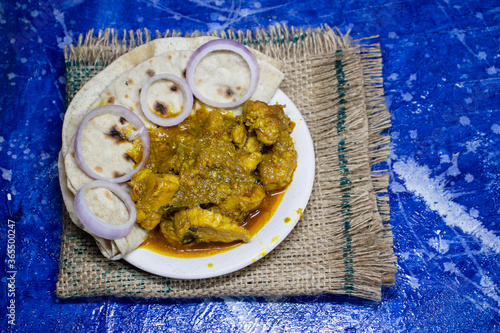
250,161
197,225
268,121
239,135
253,144
277,166
150,192
238,207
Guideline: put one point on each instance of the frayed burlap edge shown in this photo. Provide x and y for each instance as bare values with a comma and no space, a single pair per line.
369,237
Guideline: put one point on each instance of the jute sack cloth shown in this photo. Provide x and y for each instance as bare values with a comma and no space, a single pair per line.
343,243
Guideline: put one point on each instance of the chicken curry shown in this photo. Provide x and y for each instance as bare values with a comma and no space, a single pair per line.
208,175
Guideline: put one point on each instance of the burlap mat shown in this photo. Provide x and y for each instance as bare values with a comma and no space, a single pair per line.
343,244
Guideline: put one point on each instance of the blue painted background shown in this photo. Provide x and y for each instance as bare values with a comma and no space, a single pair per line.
442,80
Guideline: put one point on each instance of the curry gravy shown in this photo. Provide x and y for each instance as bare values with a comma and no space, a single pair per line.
254,222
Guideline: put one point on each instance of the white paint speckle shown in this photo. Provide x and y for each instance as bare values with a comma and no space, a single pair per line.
444,158
469,178
397,187
474,212
6,174
439,244
468,100
481,55
407,96
414,283
34,13
492,70
495,128
473,145
392,35
450,267
10,76
140,19
413,134
9,197
393,77
490,289
464,120
458,34
436,194
453,170
59,16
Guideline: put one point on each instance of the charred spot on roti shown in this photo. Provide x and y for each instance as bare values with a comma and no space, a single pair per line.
184,73
108,93
98,169
161,108
126,96
116,135
140,90
73,154
238,88
150,72
169,57
225,92
117,174
123,121
108,195
111,100
129,81
151,61
174,87
129,158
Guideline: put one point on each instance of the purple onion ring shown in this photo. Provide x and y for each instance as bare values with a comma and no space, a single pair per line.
132,118
187,104
94,224
219,45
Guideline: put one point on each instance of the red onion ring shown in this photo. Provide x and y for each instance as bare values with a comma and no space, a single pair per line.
94,224
131,118
218,45
187,104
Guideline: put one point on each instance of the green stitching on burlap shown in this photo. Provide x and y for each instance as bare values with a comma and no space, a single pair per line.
347,249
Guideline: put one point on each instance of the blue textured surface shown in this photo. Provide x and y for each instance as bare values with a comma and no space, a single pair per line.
442,81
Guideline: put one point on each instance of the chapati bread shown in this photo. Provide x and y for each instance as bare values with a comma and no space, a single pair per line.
120,83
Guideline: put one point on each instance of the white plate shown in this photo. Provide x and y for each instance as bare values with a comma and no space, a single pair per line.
293,203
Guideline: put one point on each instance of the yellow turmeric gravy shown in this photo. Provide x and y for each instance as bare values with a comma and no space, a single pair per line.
208,166
254,222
